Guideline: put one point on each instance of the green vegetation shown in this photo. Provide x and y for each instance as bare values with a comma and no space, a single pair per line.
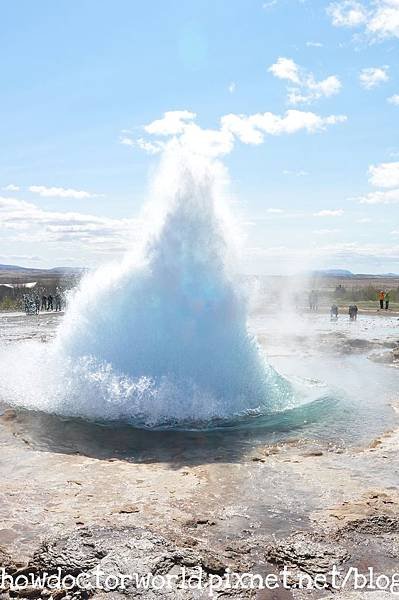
9,304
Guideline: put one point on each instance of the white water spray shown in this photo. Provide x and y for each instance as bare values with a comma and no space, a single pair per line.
161,339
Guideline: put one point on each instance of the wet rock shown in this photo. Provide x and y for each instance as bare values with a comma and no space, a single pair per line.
313,453
374,525
381,357
307,552
387,357
199,521
375,443
8,563
129,551
375,513
128,509
356,345
29,592
9,415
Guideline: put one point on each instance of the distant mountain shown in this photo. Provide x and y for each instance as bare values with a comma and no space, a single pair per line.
33,271
67,270
333,273
345,273
16,268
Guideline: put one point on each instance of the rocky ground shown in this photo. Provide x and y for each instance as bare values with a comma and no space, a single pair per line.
173,507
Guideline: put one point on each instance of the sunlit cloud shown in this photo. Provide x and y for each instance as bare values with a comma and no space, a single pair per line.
59,192
376,20
329,213
11,187
247,129
372,77
304,88
26,221
384,175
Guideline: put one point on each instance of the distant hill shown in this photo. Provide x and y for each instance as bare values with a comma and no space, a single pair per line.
68,270
333,273
15,268
345,273
11,272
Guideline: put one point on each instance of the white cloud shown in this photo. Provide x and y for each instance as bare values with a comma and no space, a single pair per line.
20,257
364,220
394,99
11,188
286,68
27,222
299,173
126,140
276,211
347,13
58,192
270,4
173,122
314,44
380,197
377,19
232,87
248,129
306,88
384,175
372,77
147,146
150,147
326,231
329,213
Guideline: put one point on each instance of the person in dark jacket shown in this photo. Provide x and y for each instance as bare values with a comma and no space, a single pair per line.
353,310
57,301
334,312
50,302
387,299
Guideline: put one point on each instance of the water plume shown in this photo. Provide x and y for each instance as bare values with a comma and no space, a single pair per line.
161,339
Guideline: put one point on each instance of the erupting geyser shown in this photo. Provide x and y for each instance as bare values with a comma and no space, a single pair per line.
161,339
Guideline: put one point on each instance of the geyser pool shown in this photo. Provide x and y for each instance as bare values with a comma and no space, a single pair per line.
161,340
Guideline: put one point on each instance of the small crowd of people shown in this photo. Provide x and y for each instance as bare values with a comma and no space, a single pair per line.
353,310
33,304
384,298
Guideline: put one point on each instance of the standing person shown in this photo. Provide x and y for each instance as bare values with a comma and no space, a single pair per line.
37,304
311,300
381,296
50,302
353,310
57,301
387,299
334,312
44,302
315,301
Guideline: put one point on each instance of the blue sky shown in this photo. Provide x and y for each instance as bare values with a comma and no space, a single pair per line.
81,80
